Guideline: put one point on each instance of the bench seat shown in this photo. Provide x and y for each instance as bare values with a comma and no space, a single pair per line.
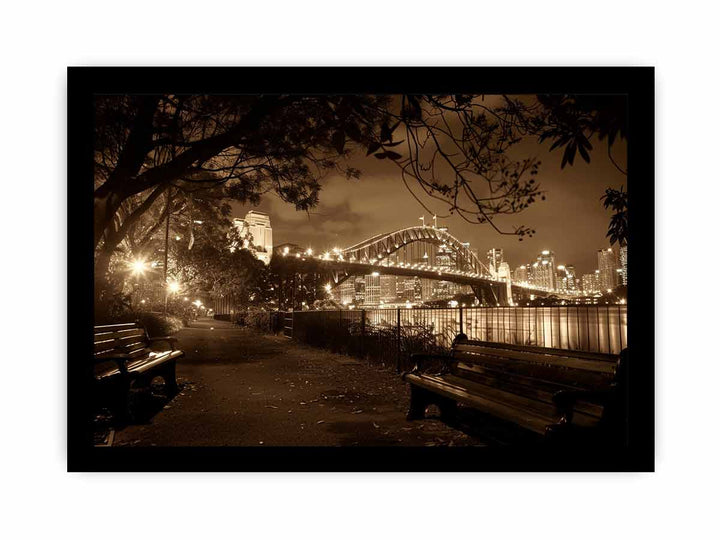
517,384
124,360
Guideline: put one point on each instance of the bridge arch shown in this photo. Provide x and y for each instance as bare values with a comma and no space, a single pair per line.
384,245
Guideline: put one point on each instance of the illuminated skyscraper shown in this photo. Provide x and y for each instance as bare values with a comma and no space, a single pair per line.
591,282
347,291
572,283
494,259
543,271
359,290
623,266
566,278
607,266
372,289
256,231
520,275
388,289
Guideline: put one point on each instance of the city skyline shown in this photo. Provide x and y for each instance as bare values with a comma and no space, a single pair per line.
571,221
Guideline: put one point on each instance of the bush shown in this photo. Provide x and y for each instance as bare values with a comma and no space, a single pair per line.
158,325
222,317
263,321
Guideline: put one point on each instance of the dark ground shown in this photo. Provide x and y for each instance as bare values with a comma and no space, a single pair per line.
240,388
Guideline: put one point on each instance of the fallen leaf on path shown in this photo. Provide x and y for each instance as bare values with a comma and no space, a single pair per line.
357,412
320,421
375,425
270,407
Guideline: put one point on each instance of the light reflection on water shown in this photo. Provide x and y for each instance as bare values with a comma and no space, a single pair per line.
584,328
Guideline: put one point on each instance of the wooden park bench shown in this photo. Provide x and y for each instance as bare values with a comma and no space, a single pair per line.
548,391
125,363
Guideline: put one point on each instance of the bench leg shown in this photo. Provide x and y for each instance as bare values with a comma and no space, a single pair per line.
419,401
123,406
448,410
170,379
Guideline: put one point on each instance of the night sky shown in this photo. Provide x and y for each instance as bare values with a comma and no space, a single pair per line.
571,221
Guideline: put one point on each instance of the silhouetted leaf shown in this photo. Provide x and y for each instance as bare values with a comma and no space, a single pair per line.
372,148
584,154
353,131
338,141
381,155
393,155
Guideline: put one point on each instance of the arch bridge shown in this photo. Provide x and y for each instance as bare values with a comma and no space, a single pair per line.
374,255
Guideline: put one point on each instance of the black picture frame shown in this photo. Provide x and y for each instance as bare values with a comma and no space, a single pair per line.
85,82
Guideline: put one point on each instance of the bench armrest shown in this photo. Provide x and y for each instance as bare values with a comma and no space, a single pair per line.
118,358
169,339
565,401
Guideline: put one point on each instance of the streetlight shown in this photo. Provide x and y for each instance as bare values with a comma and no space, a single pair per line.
138,266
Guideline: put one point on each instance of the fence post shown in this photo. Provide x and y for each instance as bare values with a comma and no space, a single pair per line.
362,333
461,320
397,364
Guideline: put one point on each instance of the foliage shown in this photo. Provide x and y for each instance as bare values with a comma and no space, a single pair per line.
158,325
617,201
188,156
569,122
214,265
262,321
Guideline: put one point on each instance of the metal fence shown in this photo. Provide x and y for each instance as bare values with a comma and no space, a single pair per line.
389,336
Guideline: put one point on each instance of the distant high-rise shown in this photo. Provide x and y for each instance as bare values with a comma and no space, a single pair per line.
543,271
359,290
372,289
257,233
607,266
572,283
520,275
347,291
623,266
566,277
388,289
591,282
494,259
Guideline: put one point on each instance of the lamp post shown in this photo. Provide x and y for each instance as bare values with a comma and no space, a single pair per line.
167,234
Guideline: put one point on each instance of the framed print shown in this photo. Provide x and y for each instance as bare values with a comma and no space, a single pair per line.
361,269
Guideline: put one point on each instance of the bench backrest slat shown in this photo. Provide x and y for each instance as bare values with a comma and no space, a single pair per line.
129,339
481,352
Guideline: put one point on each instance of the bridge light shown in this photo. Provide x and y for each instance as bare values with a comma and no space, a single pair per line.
308,251
328,287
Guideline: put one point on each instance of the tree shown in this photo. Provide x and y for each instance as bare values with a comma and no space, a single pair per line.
219,269
617,201
252,144
456,149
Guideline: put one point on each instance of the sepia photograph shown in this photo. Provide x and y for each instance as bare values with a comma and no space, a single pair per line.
361,269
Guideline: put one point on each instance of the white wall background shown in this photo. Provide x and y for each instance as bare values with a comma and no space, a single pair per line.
39,39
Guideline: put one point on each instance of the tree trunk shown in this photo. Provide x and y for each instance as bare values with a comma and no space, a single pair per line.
102,266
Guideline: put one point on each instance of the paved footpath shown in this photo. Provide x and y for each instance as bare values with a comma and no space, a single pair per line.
240,388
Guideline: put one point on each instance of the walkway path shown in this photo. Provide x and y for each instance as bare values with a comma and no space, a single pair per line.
239,388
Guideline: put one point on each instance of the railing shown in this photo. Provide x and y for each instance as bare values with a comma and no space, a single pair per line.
389,336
